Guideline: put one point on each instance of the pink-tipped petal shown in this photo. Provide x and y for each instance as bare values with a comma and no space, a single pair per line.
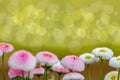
12,73
38,71
73,76
23,60
59,68
6,47
73,62
47,58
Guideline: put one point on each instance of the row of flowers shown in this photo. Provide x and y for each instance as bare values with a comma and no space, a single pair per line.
23,64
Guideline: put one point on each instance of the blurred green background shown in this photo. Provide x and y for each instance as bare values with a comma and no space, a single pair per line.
60,26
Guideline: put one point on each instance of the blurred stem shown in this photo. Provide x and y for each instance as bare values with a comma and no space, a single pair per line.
23,75
45,75
38,77
29,75
118,74
52,75
88,71
59,75
101,69
3,67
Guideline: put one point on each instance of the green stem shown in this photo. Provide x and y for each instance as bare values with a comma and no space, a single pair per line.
88,71
45,74
23,75
59,75
29,75
101,69
38,77
52,75
3,67
118,74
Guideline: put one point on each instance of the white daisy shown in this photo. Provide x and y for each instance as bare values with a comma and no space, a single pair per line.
111,75
73,76
103,52
88,58
115,62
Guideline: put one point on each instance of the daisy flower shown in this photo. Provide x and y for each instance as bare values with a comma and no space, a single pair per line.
88,58
73,76
6,47
46,57
73,62
103,52
22,60
13,73
111,75
115,62
38,71
60,69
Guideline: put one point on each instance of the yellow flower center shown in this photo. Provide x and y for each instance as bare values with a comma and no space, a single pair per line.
88,57
113,77
102,50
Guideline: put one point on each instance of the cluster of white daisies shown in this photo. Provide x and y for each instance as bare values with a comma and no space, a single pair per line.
23,65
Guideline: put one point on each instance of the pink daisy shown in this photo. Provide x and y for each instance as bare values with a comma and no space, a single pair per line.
1,53
73,76
6,47
38,71
13,73
59,68
23,60
73,62
47,58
